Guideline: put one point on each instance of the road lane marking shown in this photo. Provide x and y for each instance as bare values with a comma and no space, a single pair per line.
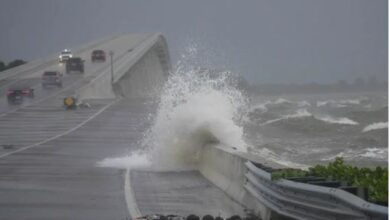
79,52
46,62
102,70
130,197
60,135
43,98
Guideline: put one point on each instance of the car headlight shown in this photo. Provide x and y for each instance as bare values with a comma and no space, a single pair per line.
70,55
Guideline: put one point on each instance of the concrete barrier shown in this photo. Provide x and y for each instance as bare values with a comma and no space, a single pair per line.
226,169
236,174
138,73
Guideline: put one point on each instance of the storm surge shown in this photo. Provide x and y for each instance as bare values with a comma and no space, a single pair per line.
308,130
196,107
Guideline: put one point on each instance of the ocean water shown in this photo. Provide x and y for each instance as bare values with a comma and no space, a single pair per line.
312,129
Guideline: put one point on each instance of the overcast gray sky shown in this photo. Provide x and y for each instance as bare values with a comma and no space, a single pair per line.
264,40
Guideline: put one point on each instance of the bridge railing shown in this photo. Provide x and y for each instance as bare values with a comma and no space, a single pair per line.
306,201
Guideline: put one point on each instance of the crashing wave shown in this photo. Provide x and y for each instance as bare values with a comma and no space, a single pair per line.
197,106
302,113
269,110
278,103
195,109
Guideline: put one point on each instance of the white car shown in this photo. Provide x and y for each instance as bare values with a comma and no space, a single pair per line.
65,55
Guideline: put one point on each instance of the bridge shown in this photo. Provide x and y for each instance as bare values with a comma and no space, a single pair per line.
48,155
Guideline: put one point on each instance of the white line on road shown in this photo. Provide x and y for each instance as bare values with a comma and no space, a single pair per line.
60,135
79,52
130,197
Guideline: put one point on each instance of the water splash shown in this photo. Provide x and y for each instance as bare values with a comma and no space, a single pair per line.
197,107
136,160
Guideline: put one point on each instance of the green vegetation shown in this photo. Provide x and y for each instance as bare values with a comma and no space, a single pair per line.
288,172
11,64
2,66
375,180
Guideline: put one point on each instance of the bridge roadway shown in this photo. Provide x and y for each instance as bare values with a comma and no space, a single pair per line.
48,155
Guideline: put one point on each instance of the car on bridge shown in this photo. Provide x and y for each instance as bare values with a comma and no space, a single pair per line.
98,55
51,78
65,55
17,93
74,64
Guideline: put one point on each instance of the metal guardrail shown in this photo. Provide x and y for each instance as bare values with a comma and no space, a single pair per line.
305,201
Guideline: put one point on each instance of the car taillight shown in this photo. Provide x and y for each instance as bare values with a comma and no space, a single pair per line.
9,92
25,91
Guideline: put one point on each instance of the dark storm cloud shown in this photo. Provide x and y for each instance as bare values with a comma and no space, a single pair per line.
267,41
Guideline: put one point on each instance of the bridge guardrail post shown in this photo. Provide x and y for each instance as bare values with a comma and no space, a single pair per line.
306,201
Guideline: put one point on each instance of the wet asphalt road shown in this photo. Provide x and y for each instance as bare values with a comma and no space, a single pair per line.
60,180
48,155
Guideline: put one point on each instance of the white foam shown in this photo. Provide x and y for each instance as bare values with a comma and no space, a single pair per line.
376,153
351,154
262,107
350,101
339,103
334,120
375,126
301,113
195,109
136,160
283,160
341,154
281,101
303,104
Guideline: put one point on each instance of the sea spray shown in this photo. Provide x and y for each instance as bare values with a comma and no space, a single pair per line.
135,160
196,107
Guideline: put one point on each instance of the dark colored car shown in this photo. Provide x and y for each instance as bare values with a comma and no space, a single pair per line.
74,64
52,78
98,55
15,95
